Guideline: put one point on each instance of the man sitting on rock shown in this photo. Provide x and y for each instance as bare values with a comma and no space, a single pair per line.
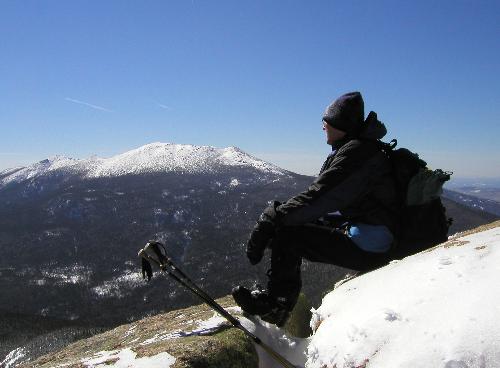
346,217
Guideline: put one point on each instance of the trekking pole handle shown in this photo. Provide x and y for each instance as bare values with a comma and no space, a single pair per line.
142,253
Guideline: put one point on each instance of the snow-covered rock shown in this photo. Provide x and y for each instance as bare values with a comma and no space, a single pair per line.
440,308
151,158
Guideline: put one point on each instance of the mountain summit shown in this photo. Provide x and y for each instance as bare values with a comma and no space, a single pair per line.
151,158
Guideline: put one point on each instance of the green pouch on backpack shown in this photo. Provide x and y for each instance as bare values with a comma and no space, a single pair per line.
425,186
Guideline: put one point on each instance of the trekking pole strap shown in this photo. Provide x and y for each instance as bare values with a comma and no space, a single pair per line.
186,282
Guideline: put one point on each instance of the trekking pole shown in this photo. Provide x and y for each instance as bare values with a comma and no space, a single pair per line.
152,253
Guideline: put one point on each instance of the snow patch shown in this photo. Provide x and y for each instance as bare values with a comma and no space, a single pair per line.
38,282
234,183
127,358
207,327
13,358
52,233
119,286
291,348
130,331
75,274
211,324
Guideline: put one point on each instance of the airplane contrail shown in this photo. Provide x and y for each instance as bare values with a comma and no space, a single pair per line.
88,104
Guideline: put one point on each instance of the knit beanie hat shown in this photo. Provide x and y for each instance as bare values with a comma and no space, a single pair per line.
346,113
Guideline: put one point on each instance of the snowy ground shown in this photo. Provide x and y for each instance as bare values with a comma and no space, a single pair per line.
436,309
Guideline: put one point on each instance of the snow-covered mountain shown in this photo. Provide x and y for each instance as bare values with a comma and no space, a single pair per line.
438,308
70,231
151,158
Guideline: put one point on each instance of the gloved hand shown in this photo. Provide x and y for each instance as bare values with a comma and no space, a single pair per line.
262,234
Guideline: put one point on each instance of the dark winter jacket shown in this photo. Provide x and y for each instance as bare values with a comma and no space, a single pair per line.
355,180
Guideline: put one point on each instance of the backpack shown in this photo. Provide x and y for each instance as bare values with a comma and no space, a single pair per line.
422,217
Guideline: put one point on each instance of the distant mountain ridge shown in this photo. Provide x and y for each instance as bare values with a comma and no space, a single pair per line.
151,158
473,201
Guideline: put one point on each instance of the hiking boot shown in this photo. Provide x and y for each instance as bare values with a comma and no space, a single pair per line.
260,303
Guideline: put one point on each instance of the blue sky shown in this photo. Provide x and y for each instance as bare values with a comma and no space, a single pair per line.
79,78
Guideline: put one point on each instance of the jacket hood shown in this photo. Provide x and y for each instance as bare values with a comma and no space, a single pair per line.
372,127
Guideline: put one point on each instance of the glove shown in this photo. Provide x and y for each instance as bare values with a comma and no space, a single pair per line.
262,234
